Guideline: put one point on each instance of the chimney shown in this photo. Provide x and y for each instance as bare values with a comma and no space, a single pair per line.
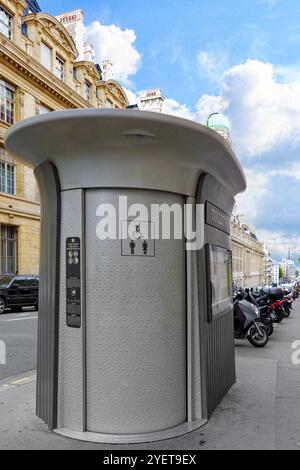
88,53
107,70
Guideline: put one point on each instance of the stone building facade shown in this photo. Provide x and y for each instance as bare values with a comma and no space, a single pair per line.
39,73
248,256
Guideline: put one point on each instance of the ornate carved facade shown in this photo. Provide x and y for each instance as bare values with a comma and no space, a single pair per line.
248,256
38,74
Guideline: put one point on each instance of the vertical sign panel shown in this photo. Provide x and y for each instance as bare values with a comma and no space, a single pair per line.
73,284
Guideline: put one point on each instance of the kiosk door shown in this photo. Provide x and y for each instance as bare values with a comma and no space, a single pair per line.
135,323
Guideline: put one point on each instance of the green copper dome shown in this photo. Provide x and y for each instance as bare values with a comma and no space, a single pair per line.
218,121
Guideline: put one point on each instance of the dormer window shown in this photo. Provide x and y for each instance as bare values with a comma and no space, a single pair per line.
5,23
87,91
46,53
60,68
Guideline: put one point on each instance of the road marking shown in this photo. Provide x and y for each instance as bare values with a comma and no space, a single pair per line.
21,381
17,383
18,319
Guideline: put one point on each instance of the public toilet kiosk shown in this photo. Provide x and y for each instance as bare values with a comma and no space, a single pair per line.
135,336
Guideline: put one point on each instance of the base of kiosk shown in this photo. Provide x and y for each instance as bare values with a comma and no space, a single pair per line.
178,431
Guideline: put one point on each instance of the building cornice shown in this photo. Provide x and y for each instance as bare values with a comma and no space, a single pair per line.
35,72
244,244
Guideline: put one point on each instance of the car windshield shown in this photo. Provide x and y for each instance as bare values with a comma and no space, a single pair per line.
5,280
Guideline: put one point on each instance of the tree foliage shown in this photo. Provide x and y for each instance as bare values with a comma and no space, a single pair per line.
281,275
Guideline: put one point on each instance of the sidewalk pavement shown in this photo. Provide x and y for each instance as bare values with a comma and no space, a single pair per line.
262,410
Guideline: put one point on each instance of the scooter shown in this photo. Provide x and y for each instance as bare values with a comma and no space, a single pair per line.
247,323
262,303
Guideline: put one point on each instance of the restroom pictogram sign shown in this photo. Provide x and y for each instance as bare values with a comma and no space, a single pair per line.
138,241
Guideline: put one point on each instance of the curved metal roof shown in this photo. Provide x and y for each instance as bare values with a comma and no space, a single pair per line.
94,148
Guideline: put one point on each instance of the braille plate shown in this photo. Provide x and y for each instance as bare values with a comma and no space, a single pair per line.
73,294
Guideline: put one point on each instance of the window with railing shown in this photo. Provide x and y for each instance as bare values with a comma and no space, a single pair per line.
8,249
7,178
5,23
60,69
7,102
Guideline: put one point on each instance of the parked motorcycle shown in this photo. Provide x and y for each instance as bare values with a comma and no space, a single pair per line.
287,305
275,296
247,323
266,316
277,308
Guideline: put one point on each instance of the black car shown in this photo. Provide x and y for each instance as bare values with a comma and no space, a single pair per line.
18,291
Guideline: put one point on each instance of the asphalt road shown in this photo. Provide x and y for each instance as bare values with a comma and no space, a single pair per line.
18,332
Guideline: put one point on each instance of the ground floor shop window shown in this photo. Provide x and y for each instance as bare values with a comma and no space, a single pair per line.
8,248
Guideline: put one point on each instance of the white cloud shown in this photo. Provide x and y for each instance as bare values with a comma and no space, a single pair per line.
263,110
210,104
292,172
176,109
279,243
258,185
211,66
270,3
131,95
113,43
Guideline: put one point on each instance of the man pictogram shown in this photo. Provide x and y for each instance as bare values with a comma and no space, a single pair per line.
132,246
145,247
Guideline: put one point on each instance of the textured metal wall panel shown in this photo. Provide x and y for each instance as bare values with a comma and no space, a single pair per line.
48,323
195,376
220,360
218,336
136,328
71,368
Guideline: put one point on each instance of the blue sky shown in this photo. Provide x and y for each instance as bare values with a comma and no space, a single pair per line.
169,35
237,57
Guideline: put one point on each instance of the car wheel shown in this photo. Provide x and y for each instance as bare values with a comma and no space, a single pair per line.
2,305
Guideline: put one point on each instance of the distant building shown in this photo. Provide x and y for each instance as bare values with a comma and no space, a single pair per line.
73,22
289,270
107,70
152,100
248,255
275,273
220,124
268,268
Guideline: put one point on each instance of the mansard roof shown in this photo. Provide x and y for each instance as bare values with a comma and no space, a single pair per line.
33,6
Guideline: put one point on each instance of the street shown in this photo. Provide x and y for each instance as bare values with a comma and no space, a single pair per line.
18,331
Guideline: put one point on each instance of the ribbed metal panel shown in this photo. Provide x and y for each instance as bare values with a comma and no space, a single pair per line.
217,336
220,360
47,364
